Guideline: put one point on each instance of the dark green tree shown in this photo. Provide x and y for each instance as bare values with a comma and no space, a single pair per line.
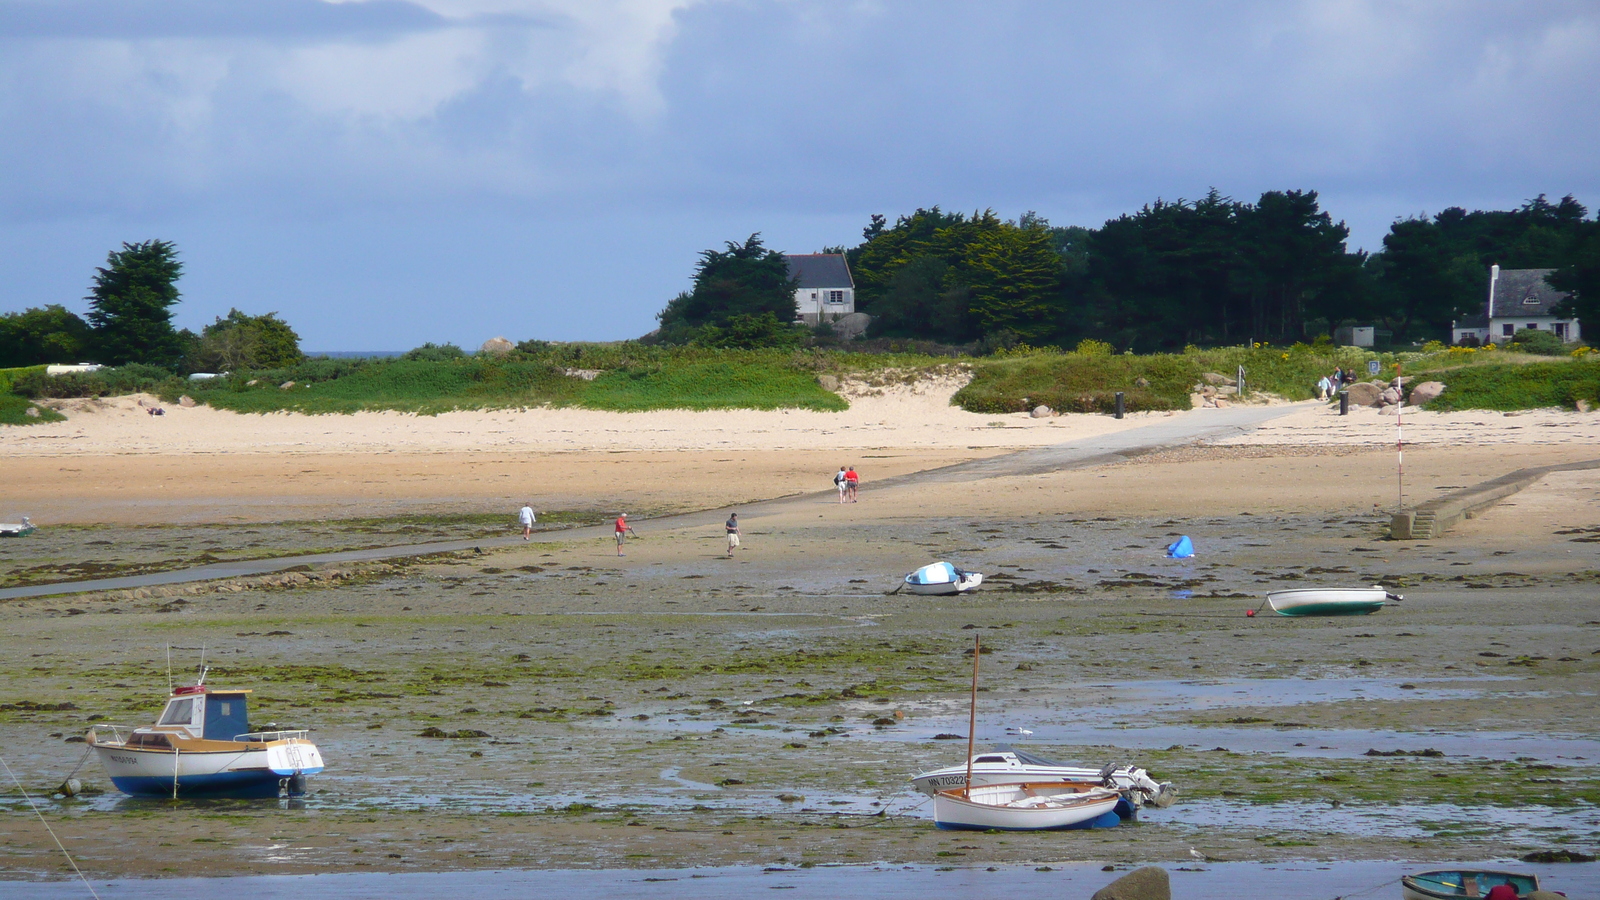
1014,274
240,342
1426,280
130,305
745,280
48,334
1580,278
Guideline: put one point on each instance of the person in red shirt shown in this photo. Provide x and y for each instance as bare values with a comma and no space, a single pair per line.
623,530
851,482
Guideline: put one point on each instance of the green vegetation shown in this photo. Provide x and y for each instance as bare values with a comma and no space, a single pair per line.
14,411
1510,386
634,378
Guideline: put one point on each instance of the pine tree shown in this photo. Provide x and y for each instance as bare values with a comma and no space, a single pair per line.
130,305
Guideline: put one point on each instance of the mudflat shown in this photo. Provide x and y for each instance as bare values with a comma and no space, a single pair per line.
674,707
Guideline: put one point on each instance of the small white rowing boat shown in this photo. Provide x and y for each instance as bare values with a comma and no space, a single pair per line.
942,578
17,529
1031,806
1007,765
1330,601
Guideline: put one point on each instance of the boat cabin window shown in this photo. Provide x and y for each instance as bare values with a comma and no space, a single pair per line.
998,759
179,712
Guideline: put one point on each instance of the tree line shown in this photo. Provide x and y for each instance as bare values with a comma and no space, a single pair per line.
1210,272
130,321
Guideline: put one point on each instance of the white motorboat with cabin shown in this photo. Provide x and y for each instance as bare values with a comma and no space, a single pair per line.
1008,765
17,529
202,744
942,578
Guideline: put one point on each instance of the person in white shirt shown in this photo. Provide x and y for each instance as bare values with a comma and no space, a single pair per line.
527,520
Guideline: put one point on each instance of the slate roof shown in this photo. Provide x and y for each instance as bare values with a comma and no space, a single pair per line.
819,270
1517,293
1524,292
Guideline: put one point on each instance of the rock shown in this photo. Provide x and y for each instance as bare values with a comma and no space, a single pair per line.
33,411
828,382
1364,394
1582,405
1426,392
1141,382
1390,410
286,385
1221,403
1040,412
1389,397
851,325
1215,378
1227,390
251,383
186,401
1148,883
496,346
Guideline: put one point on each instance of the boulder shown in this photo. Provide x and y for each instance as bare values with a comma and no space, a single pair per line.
850,326
1364,394
1148,883
33,412
186,401
1389,397
1582,405
1216,378
1426,392
828,382
1141,382
1040,412
496,346
286,385
1392,409
1221,403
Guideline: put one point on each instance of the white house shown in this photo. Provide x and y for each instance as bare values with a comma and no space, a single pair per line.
826,291
1518,299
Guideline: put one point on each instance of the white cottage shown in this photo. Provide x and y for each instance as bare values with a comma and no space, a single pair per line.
825,289
1518,299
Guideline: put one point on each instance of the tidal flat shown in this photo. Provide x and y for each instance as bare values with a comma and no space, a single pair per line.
673,708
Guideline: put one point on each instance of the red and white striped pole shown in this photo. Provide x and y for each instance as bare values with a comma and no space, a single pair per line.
1399,436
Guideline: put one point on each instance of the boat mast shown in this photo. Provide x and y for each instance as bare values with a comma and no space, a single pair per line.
972,717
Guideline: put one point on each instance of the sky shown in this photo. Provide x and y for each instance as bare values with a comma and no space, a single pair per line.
383,173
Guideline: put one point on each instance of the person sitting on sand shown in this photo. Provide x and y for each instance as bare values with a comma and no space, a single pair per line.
732,525
851,482
527,520
623,530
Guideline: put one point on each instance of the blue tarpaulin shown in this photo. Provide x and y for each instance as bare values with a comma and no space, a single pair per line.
1182,548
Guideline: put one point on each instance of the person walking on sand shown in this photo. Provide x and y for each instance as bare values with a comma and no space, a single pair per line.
839,482
623,530
527,520
852,481
732,525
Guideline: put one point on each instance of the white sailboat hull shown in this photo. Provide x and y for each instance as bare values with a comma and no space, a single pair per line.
1007,767
1035,806
1329,601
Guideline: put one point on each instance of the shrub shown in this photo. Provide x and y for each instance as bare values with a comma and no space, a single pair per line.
1521,386
14,411
431,352
1533,340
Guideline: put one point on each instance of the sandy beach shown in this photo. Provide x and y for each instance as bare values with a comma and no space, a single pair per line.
673,707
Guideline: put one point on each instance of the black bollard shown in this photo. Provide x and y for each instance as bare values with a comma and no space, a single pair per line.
1119,404
1344,403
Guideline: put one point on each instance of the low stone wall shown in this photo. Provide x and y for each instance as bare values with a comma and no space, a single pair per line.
1435,517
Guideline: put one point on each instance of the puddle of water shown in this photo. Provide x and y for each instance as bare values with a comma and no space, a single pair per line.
1400,821
1213,881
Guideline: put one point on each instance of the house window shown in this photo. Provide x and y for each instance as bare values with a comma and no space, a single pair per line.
836,296
1533,326
1508,330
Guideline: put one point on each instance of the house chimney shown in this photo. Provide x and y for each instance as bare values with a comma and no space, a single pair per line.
1494,276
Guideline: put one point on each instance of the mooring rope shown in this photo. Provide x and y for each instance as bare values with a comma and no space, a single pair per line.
52,831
